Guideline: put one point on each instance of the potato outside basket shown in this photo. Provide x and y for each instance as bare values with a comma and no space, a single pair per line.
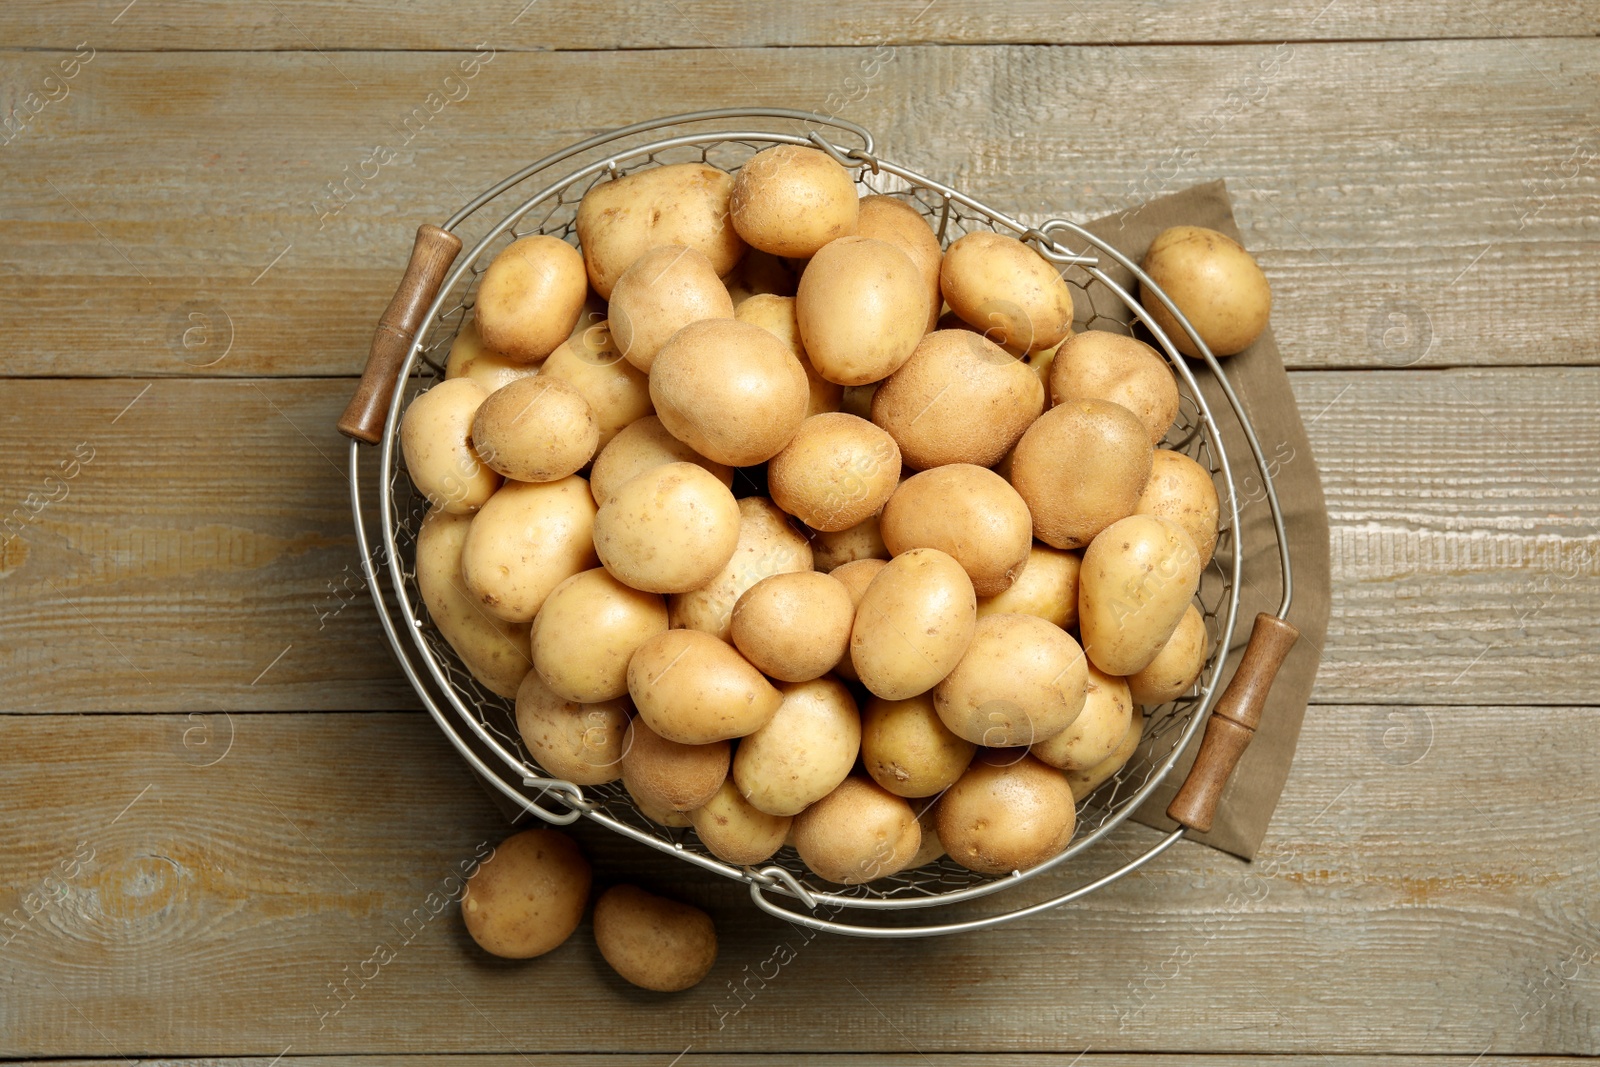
408,354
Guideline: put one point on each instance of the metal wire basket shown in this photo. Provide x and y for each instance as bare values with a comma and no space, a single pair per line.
408,355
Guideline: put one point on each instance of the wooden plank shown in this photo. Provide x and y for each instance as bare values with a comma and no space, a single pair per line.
1464,508
974,1059
1395,909
172,212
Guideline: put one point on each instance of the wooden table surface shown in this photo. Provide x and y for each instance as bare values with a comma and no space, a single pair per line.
218,795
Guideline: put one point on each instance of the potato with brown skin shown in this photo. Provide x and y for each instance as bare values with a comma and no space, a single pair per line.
858,833
1177,666
528,897
617,392
794,627
529,538
1137,581
855,576
908,750
969,513
1009,812
1123,370
1003,287
1217,285
791,200
1082,783
640,446
767,544
860,308
668,529
1080,468
695,689
677,204
832,549
776,315
471,358
536,430
436,441
803,751
1047,587
669,774
663,291
579,743
587,631
661,816
531,297
1021,681
737,831
493,650
652,942
889,218
913,624
958,399
1098,729
1182,492
836,472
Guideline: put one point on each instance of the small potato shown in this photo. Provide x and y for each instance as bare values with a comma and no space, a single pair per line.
1080,468
803,751
776,315
528,896
737,831
767,544
913,624
660,815
581,743
794,627
667,774
678,204
908,750
832,549
587,631
536,430
666,289
667,530
493,650
529,538
969,513
791,200
858,833
471,358
837,472
1009,812
958,399
694,689
1137,580
1101,365
617,392
653,942
436,440
1182,492
638,447
1021,681
1046,587
1177,666
855,576
761,274
860,306
1098,729
731,391
1082,783
531,297
1006,289
888,218
951,321
1217,285
931,848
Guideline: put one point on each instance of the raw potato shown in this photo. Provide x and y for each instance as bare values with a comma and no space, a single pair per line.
958,399
493,650
913,624
730,390
1137,580
776,315
580,743
1098,729
667,530
1123,370
1182,492
678,204
908,750
836,473
1006,289
1021,681
471,358
993,334
856,576
793,627
528,539
1217,285
768,544
1047,587
667,774
528,896
931,848
803,752
661,816
791,200
833,549
1009,812
436,440
1080,468
861,310
694,689
536,430
618,394
735,830
888,218
1177,666
969,513
1082,783
531,297
653,942
641,446
666,289
587,631
858,833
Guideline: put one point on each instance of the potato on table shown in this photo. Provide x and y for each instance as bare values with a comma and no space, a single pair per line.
528,897
653,942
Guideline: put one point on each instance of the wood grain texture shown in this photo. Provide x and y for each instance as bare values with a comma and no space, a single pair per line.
693,1059
1431,907
1412,202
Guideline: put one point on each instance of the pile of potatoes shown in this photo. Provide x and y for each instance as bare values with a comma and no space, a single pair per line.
807,529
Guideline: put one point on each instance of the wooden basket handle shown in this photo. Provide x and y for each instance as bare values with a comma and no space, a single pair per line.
1233,723
435,249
